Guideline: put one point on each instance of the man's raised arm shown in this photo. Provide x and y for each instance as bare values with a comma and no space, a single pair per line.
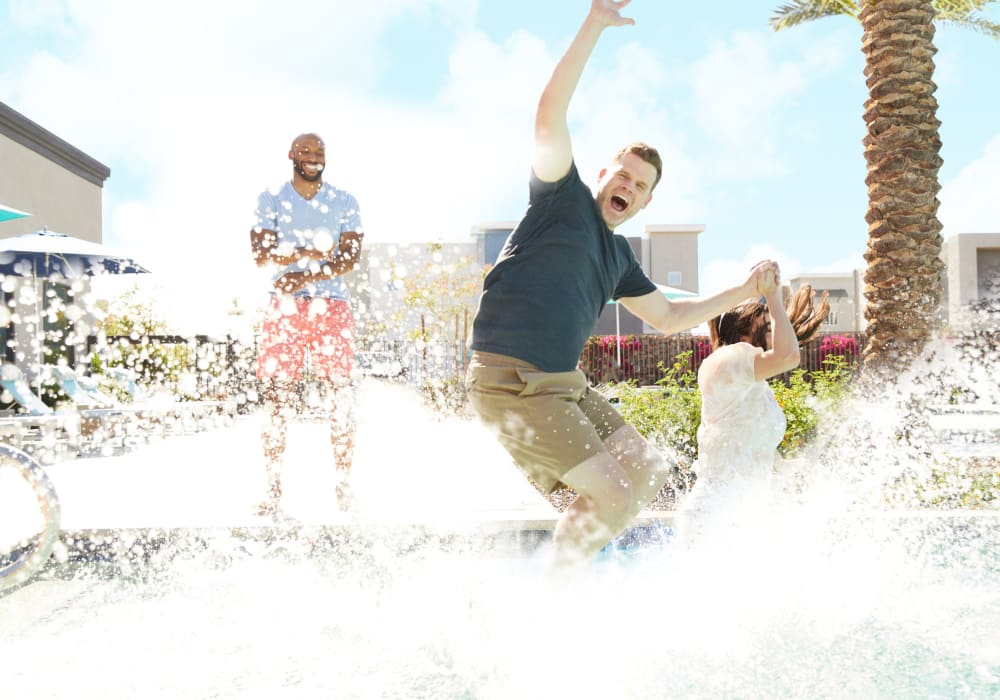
553,150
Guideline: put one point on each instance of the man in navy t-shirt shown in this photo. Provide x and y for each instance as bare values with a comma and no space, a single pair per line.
540,303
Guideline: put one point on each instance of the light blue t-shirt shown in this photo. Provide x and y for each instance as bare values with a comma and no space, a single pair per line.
302,223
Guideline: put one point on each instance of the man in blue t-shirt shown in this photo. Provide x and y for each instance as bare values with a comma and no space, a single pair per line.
310,233
540,303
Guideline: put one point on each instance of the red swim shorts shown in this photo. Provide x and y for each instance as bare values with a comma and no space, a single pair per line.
296,326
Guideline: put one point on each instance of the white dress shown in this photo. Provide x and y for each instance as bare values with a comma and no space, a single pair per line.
741,427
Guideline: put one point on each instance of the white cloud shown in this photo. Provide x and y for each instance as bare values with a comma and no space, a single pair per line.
722,273
194,105
498,83
623,102
969,201
740,90
843,265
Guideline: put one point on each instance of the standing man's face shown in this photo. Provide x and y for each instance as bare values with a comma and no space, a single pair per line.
308,157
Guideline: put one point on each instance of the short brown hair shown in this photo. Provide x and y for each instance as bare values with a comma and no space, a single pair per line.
647,153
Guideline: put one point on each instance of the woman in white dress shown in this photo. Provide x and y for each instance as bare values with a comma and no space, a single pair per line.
741,422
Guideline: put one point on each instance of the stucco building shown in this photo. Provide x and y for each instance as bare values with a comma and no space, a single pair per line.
972,276
60,188
59,185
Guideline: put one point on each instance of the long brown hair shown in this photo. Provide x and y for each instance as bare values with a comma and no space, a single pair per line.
744,320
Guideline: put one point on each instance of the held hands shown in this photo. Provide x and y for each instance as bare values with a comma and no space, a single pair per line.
770,283
765,278
608,12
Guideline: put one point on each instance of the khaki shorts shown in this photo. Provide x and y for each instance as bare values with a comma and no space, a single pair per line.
548,421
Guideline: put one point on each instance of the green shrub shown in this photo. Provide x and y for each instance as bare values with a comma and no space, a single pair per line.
953,482
670,415
806,398
170,367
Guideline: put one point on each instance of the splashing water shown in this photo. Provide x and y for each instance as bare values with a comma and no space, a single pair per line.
863,613
824,595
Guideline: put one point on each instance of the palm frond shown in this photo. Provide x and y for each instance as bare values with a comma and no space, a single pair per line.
977,24
798,12
966,14
960,7
962,13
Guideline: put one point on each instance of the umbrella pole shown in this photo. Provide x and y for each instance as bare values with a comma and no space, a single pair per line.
38,342
618,334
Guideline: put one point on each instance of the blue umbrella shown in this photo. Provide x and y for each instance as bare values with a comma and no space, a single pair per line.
8,214
56,257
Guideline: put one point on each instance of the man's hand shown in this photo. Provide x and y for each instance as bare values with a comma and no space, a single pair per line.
267,250
769,283
608,12
292,282
759,278
350,245
311,253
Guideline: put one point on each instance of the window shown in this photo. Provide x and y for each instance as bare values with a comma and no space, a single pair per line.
493,241
988,273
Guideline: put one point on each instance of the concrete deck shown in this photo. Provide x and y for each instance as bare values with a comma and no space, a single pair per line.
411,469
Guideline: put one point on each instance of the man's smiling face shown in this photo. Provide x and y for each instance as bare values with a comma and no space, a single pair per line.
308,156
624,188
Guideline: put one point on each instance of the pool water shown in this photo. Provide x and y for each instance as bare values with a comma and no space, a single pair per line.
875,607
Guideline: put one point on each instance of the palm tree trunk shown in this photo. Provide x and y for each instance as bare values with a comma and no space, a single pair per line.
903,278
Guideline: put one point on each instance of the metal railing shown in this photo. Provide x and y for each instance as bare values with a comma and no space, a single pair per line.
638,357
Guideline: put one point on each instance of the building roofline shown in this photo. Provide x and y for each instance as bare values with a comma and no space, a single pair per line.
674,228
494,226
822,275
19,128
971,234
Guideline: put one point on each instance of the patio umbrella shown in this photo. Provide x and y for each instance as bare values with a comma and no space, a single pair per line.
47,254
7,214
58,257
668,292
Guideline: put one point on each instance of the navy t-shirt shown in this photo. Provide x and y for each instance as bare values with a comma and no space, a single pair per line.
553,277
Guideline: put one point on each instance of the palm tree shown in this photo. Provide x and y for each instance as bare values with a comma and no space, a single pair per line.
903,278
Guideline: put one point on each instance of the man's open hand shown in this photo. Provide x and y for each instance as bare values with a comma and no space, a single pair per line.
609,12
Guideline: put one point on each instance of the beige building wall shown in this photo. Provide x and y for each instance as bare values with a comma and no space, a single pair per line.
846,297
59,185
670,254
670,257
972,264
61,188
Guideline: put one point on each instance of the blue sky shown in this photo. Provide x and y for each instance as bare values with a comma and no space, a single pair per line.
427,107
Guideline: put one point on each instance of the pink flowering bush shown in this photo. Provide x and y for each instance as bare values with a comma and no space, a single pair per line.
844,346
702,349
604,356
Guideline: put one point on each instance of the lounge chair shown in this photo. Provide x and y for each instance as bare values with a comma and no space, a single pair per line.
36,428
191,416
144,417
104,422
